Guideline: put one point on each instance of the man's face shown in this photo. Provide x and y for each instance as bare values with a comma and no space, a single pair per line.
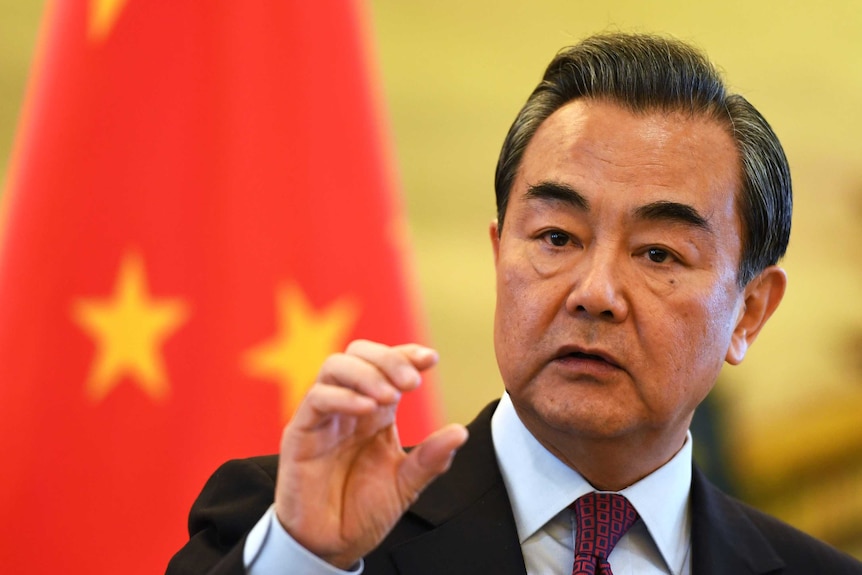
617,300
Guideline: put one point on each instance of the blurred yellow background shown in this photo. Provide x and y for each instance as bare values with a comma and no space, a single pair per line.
455,73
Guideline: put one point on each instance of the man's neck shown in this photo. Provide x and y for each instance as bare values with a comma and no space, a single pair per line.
611,463
661,497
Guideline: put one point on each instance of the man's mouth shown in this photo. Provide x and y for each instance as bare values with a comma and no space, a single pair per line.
588,355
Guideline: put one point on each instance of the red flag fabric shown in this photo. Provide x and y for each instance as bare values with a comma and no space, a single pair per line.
201,208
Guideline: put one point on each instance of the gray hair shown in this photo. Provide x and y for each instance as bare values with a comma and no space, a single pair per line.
646,73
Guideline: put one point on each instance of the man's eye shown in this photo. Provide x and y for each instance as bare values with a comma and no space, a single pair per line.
558,238
657,255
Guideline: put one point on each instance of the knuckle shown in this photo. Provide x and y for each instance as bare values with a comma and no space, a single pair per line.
353,345
357,346
330,365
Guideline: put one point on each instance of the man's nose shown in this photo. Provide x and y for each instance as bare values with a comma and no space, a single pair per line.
597,286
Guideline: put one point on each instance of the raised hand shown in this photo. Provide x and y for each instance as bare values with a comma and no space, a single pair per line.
343,477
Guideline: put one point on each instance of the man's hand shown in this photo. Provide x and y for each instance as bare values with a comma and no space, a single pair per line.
343,478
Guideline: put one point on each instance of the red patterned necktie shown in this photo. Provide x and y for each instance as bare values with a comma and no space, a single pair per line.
602,518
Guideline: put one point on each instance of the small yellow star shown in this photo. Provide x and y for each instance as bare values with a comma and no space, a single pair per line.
103,15
305,338
129,329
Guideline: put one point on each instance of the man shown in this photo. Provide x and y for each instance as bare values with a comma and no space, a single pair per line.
641,212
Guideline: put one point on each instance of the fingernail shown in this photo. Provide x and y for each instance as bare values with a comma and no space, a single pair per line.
425,353
409,376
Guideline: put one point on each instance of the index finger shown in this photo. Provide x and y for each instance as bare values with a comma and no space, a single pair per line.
401,364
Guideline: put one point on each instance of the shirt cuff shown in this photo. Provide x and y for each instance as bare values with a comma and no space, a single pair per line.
269,549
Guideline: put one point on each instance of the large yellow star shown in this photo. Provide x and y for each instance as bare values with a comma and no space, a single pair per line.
129,328
305,338
103,15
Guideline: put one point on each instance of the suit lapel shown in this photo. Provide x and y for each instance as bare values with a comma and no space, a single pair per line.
468,509
724,540
469,526
481,539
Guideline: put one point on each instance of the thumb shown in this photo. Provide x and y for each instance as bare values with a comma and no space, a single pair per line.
429,459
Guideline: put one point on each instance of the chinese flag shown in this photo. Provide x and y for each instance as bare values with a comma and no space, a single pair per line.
201,208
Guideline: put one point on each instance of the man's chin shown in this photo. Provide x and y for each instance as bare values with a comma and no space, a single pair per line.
575,420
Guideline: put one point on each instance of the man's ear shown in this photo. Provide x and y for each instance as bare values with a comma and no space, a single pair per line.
760,299
493,231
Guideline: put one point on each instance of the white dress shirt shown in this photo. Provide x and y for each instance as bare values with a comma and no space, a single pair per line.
658,543
270,550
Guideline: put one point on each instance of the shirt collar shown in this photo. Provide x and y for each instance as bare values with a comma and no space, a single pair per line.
660,498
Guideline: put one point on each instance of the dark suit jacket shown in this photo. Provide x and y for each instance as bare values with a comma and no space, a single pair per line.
462,524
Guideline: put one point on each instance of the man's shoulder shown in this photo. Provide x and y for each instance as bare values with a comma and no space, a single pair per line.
726,529
246,473
798,547
244,487
233,500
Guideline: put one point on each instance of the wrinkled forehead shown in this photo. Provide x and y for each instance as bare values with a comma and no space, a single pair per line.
622,160
641,145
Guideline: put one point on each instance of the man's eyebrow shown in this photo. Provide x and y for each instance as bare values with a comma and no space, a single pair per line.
673,212
662,210
558,192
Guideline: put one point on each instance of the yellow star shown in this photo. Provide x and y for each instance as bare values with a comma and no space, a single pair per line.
103,15
305,338
129,329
